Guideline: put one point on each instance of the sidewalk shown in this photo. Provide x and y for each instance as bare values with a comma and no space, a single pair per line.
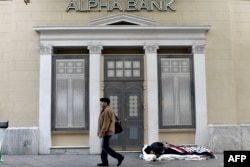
131,160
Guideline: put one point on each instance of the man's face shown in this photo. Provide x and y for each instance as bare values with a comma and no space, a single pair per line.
103,104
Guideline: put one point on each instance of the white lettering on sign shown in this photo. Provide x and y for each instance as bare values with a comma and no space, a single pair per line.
235,158
110,5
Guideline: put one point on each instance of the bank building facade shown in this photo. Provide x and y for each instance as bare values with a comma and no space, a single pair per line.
175,72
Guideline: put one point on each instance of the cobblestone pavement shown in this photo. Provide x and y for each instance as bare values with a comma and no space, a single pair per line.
131,160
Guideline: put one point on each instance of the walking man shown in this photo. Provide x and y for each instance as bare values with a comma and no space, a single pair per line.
106,128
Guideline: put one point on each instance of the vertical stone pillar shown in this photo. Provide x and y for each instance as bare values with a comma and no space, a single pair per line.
152,92
94,96
46,52
201,133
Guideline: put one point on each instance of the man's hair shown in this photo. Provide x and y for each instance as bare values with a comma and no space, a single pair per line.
105,99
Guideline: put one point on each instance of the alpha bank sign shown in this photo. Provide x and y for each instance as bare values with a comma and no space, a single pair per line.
121,5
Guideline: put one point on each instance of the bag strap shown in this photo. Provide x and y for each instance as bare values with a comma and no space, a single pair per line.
116,118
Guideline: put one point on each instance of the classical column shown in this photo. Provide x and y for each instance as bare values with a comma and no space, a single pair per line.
201,134
152,92
46,52
94,96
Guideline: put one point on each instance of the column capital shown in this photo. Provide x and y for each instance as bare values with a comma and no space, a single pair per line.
151,48
46,49
95,48
198,49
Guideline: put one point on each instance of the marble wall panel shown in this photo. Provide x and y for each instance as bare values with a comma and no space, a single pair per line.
21,141
245,132
229,137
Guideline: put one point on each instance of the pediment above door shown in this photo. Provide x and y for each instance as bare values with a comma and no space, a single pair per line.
122,19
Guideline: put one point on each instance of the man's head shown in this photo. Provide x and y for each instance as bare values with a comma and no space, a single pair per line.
104,101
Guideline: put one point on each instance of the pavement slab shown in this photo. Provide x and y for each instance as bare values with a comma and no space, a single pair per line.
80,160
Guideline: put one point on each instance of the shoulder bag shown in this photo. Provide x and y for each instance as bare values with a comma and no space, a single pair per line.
118,126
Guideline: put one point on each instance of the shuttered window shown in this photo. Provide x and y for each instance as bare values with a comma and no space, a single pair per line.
177,96
70,100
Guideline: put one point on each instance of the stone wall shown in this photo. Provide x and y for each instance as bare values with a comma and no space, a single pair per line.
20,141
229,137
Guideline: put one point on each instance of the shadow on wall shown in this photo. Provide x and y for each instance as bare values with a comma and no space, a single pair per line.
26,1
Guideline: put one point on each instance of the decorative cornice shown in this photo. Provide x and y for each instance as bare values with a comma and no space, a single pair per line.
120,34
46,49
95,49
199,49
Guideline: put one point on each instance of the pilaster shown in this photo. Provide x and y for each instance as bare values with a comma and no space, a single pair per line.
201,135
94,96
152,89
46,52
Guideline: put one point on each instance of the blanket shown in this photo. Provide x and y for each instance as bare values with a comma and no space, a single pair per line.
158,151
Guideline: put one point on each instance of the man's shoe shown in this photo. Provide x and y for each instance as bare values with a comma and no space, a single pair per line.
102,164
120,161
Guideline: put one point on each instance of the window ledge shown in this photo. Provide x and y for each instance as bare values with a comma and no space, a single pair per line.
71,132
69,147
176,130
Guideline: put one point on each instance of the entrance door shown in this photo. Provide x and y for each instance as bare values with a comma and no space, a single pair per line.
126,99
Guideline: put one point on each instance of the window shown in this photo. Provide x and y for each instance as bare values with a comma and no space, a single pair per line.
123,68
177,93
70,93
